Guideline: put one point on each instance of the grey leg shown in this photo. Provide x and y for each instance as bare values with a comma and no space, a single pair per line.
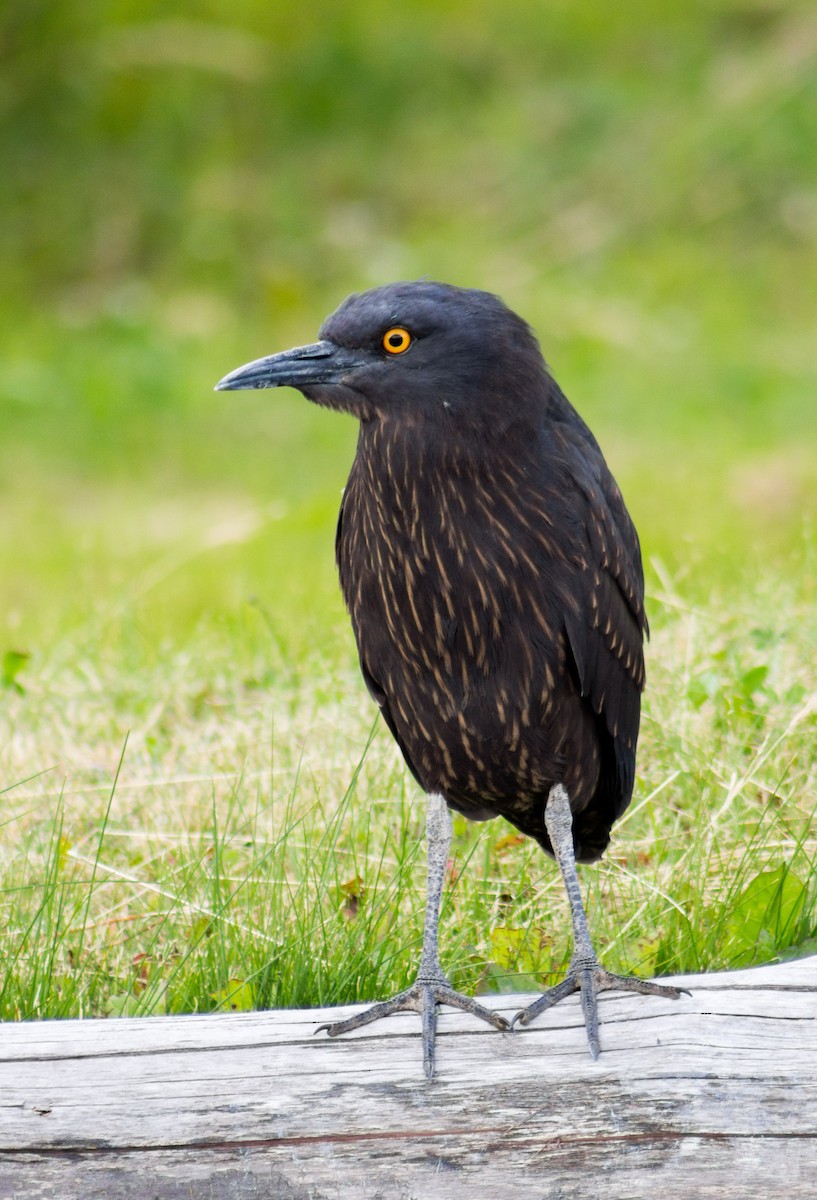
585,973
431,986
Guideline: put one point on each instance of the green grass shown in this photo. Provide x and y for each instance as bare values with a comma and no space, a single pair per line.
196,811
208,828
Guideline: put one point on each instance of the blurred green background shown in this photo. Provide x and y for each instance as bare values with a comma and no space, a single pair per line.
188,186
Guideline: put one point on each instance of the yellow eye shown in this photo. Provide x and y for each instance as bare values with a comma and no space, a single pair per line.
397,340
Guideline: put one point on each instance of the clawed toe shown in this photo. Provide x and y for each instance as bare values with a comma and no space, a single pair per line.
589,980
403,1002
423,998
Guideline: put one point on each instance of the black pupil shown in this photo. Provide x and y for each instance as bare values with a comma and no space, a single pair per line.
396,339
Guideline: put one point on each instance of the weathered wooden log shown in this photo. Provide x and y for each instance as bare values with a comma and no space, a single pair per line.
713,1095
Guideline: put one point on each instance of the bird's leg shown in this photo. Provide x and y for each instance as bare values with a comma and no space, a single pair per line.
585,973
431,986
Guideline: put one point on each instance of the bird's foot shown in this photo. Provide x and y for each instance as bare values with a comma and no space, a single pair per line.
422,997
590,978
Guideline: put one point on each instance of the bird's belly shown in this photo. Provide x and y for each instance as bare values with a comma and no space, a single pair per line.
470,692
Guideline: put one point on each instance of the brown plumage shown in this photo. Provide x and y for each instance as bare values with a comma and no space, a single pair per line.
476,629
492,574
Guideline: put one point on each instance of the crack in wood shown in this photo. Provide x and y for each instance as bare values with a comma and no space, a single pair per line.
410,1136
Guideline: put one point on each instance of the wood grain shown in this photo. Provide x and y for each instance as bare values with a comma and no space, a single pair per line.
711,1095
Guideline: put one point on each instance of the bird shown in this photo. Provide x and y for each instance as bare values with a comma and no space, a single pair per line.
494,581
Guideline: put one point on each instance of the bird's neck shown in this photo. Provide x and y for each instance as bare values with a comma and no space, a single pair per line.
416,482
398,452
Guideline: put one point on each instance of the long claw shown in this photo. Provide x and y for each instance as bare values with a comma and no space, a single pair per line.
552,996
589,981
423,997
407,1001
585,973
590,1010
429,1032
431,988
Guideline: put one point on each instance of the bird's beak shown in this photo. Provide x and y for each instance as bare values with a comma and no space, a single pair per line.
322,362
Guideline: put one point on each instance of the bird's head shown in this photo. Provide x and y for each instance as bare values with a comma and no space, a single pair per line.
414,352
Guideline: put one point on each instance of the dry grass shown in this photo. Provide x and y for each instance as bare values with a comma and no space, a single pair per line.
191,829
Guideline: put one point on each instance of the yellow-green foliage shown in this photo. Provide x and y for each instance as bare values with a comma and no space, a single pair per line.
188,186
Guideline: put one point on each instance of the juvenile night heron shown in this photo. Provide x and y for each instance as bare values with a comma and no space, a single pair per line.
494,581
